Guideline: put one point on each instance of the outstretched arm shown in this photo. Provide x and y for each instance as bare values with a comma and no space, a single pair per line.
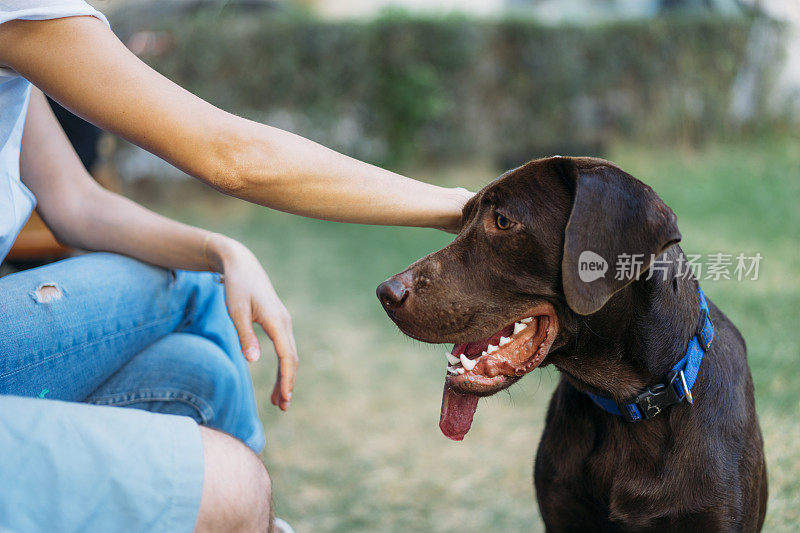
80,63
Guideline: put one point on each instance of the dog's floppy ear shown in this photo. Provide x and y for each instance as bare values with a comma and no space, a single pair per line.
616,228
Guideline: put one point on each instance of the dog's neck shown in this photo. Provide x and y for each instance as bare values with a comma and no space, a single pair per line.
638,336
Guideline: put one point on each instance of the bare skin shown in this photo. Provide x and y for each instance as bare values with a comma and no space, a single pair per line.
237,492
80,63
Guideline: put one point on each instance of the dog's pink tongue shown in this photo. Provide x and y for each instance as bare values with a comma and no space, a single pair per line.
457,412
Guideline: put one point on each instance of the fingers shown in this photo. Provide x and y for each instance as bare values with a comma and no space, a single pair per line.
243,321
279,330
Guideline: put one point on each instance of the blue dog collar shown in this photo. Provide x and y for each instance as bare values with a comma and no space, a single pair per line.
679,381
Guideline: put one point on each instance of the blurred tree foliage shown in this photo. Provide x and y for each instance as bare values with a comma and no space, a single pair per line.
400,90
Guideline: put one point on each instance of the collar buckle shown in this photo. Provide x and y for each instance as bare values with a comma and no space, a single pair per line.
655,398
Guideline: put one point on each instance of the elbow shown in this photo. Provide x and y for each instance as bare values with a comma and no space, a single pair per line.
67,218
221,169
226,178
243,167
227,169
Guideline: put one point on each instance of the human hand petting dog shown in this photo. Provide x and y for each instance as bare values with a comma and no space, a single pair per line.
250,298
460,197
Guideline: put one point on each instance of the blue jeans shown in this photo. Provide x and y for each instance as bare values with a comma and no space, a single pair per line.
106,330
109,330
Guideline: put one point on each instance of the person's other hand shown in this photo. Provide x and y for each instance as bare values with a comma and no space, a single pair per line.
250,298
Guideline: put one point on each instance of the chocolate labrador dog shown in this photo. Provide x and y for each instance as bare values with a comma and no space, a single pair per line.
574,263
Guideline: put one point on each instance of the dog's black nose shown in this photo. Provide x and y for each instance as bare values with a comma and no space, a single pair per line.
392,293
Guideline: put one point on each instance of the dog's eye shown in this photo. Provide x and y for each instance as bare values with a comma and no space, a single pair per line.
502,222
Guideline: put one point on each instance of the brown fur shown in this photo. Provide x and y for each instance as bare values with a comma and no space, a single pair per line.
692,468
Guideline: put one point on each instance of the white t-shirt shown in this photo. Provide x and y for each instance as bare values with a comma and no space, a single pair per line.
16,201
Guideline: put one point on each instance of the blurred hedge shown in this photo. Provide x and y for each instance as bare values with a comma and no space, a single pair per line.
403,90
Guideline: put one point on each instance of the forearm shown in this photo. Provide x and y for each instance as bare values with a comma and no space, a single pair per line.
293,174
115,224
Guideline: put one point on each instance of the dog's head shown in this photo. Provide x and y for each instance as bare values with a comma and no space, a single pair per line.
537,247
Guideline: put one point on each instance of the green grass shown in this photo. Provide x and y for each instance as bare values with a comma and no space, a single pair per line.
360,449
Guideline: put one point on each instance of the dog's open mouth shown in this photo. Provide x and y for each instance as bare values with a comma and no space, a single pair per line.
484,367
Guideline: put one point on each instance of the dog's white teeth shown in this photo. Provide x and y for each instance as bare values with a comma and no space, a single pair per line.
527,320
467,363
452,370
504,341
491,349
484,353
461,371
519,326
452,359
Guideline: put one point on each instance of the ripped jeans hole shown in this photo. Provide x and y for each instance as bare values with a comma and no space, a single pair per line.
47,292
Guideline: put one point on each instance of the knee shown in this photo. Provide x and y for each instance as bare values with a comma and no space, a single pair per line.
216,377
220,389
199,368
237,491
